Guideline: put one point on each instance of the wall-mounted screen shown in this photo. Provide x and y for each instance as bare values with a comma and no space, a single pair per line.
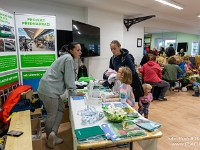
182,45
89,38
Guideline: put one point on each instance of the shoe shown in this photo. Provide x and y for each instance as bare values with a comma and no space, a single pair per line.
196,94
51,140
162,99
124,145
58,140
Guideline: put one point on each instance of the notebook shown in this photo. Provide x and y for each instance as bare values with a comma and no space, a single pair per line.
89,132
120,131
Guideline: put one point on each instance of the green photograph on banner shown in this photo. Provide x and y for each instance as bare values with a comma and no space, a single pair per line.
8,63
8,83
37,60
7,32
36,39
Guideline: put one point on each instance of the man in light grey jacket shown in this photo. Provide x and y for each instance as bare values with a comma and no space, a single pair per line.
59,77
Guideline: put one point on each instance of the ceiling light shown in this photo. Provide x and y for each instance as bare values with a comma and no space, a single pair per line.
75,27
171,3
198,15
146,33
79,32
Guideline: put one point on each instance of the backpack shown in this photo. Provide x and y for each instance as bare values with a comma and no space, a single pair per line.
136,83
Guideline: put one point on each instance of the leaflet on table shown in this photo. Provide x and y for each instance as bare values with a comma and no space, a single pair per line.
117,104
120,131
75,98
147,124
89,134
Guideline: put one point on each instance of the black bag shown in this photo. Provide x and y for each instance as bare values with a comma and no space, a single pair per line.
82,71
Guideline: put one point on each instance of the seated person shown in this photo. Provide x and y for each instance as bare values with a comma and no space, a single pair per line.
188,66
181,53
161,61
145,58
162,51
155,51
170,71
152,74
196,86
181,64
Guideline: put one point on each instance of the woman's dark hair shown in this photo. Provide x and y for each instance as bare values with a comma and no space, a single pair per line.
67,48
152,57
150,52
162,49
171,60
147,55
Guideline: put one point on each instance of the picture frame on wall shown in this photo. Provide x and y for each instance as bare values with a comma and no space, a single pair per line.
139,42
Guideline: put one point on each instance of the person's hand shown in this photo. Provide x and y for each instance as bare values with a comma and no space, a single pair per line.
80,94
142,107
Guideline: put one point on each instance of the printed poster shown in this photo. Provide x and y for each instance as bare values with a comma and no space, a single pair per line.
8,51
7,84
32,78
36,37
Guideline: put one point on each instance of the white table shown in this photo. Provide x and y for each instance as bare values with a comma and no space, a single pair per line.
148,142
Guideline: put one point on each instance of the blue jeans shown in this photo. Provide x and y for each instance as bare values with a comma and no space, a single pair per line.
145,111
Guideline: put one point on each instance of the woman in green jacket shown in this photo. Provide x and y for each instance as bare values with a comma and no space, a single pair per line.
170,71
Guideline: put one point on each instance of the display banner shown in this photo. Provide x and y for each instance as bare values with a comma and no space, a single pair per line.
36,37
32,78
7,84
8,52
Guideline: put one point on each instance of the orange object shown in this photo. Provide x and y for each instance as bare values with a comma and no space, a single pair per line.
12,99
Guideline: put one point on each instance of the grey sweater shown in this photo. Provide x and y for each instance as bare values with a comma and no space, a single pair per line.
59,77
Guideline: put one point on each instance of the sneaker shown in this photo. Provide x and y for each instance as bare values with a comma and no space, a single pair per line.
58,140
51,140
162,99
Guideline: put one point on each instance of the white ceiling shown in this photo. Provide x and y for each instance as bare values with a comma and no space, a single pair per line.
186,18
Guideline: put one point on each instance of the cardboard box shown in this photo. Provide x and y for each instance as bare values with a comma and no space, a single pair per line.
37,113
65,116
36,131
27,95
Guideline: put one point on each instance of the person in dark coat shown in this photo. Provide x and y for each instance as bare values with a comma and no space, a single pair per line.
170,51
120,58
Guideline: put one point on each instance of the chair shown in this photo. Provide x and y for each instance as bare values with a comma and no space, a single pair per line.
179,83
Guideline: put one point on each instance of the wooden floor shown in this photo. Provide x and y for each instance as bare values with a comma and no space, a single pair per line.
180,119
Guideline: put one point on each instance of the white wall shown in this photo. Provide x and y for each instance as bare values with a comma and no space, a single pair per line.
130,41
64,14
111,28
